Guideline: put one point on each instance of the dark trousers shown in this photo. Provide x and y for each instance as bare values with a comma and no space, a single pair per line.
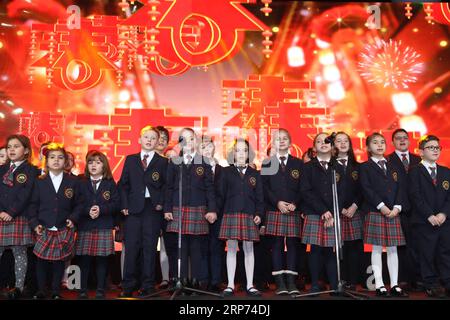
351,266
141,231
46,267
171,243
408,255
101,268
291,254
216,249
263,260
302,259
7,270
322,256
194,247
434,250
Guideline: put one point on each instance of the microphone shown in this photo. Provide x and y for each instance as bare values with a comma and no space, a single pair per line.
330,138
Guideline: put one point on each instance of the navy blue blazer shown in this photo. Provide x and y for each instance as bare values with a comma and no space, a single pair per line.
16,199
351,188
106,197
50,208
316,187
241,195
282,186
414,160
134,179
217,174
378,187
426,198
198,186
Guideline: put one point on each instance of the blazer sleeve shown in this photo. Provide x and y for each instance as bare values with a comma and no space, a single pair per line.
113,205
163,192
124,184
416,195
221,192
78,203
170,176
310,198
446,207
369,194
22,195
34,207
269,195
259,197
210,189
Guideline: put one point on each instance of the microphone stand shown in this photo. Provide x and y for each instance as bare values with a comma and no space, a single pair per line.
178,287
340,291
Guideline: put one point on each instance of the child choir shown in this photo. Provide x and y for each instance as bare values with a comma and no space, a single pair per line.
399,202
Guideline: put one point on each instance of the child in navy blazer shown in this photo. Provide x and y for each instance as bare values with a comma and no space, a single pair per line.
3,156
197,206
242,202
101,202
351,220
318,229
18,176
382,206
141,188
281,175
430,199
56,206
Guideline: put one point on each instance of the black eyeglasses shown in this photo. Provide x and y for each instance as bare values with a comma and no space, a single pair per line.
434,148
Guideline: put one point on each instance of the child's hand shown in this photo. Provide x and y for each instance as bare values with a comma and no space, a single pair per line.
351,211
168,216
5,217
385,210
433,220
125,212
292,207
327,216
283,206
94,212
344,212
441,217
211,217
69,224
39,230
158,207
329,223
257,220
262,230
394,212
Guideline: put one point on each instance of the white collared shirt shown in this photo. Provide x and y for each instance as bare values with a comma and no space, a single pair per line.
428,164
400,153
151,154
327,160
213,163
98,183
185,159
243,171
56,180
17,164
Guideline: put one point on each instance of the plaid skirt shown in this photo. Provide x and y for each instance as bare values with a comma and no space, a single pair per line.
16,232
238,226
98,242
383,231
283,225
193,222
55,245
351,228
314,232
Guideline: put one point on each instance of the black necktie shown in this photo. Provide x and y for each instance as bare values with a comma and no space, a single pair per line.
433,175
8,177
189,160
144,162
94,183
324,164
382,163
283,164
405,161
344,163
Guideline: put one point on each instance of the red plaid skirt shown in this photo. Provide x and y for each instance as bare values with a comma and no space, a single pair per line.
314,232
55,245
380,230
16,232
95,243
283,225
193,222
351,228
238,226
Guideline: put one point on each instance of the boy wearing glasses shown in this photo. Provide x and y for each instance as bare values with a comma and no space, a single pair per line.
430,199
408,256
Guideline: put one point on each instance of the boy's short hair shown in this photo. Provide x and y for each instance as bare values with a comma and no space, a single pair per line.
163,130
149,128
397,131
425,139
